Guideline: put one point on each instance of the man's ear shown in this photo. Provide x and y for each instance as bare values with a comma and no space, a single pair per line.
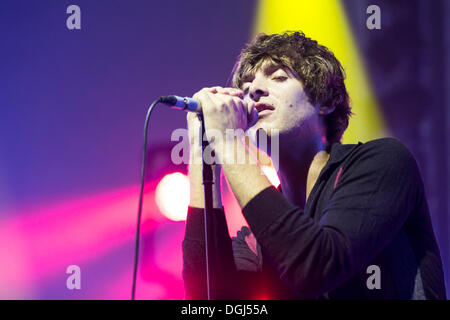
324,110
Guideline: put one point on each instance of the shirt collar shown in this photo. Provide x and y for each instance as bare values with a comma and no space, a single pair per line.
340,151
337,154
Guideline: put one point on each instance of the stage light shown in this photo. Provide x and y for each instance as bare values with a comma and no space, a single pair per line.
172,196
271,174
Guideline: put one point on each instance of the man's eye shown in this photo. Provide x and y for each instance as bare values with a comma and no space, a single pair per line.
279,78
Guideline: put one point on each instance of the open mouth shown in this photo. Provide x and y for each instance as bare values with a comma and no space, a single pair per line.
264,109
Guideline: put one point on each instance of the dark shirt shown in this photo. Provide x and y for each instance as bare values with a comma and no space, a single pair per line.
367,207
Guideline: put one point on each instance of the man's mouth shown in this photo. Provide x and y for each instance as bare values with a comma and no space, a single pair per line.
264,109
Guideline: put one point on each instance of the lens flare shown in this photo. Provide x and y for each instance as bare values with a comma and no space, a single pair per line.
172,196
271,174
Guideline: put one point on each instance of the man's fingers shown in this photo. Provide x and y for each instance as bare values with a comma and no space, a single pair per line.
234,92
208,99
238,105
228,91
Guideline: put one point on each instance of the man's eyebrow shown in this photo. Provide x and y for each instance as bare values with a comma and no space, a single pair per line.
271,68
247,76
267,70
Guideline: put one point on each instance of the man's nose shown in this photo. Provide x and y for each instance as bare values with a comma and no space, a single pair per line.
257,90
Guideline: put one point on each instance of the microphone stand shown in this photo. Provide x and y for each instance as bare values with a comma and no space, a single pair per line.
207,175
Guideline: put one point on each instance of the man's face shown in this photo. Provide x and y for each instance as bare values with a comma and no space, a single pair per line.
281,102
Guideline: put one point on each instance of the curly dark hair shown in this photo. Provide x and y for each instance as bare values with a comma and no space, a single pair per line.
314,65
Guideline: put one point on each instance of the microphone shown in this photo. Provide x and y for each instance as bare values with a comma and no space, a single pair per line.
186,103
192,105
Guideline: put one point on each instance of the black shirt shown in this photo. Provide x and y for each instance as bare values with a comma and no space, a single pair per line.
367,208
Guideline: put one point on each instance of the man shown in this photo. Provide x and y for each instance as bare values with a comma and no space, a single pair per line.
342,213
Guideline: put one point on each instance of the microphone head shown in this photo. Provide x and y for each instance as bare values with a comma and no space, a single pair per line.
186,103
252,118
169,100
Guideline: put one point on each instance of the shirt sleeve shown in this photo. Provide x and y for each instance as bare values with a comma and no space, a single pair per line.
220,261
246,251
235,269
375,194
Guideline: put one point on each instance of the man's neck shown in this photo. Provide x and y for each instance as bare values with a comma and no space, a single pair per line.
299,167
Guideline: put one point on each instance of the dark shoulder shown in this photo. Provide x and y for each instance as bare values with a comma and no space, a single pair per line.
384,163
386,150
387,144
385,158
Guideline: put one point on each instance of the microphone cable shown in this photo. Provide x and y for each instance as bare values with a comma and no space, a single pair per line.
141,195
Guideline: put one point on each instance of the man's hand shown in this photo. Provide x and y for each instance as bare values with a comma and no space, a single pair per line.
211,99
224,108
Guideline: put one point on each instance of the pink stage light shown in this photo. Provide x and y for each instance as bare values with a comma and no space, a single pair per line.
271,174
38,244
172,196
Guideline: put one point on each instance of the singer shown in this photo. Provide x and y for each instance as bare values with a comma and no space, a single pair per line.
340,211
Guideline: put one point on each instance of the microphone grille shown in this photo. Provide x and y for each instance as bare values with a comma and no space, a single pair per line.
169,100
